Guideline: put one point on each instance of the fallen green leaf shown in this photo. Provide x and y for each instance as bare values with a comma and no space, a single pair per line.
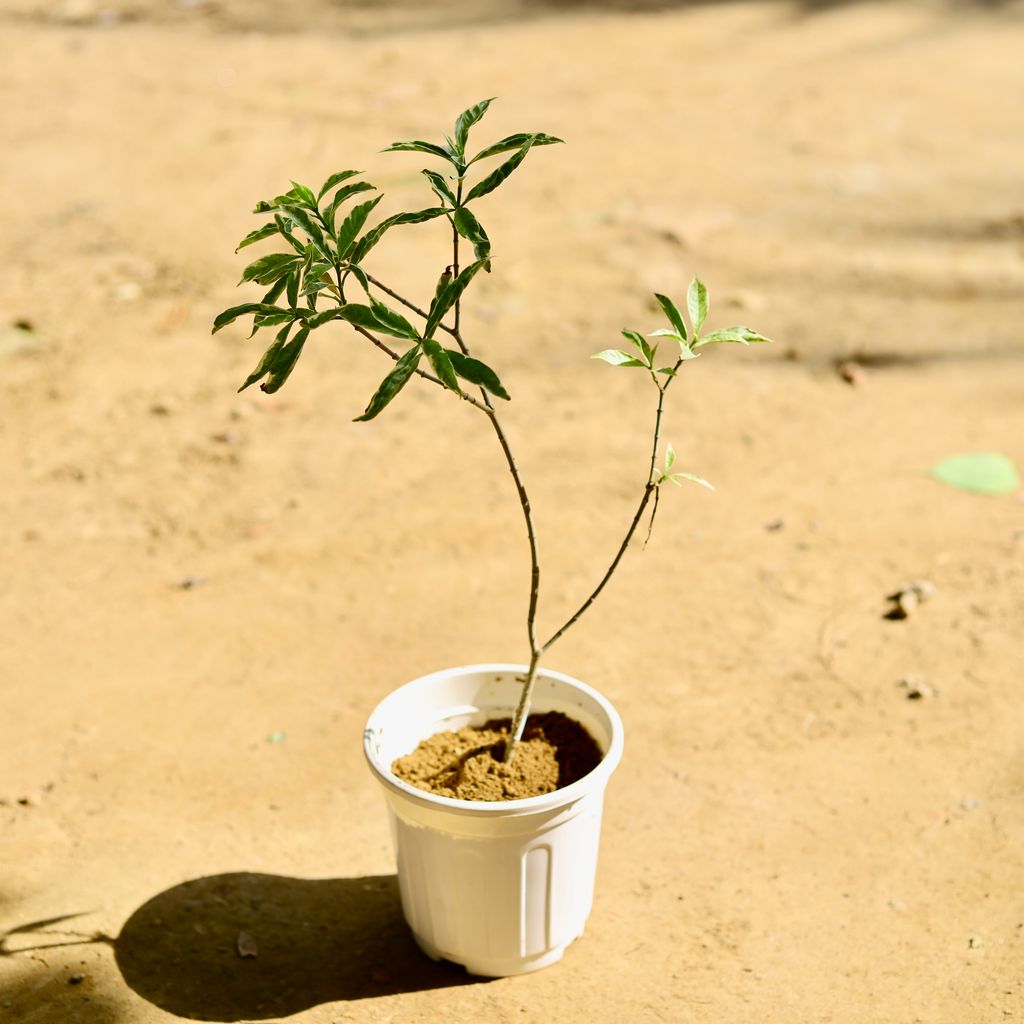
979,472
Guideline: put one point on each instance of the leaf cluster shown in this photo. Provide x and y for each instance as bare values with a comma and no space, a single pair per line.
327,240
689,340
644,355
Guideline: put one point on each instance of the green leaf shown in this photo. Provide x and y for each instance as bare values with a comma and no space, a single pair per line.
284,225
497,176
740,335
315,320
670,455
472,230
232,314
352,225
417,146
979,472
304,195
392,383
315,279
617,358
448,293
294,280
442,283
367,318
442,363
466,120
278,361
255,236
374,235
392,322
515,142
676,477
305,221
641,343
697,304
341,196
675,318
359,274
313,286
440,186
275,291
477,373
263,366
268,269
359,315
726,334
284,362
335,179
262,320
667,370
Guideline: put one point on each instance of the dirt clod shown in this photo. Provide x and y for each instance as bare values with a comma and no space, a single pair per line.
246,946
917,689
907,599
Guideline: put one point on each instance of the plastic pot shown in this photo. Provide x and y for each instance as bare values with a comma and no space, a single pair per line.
501,887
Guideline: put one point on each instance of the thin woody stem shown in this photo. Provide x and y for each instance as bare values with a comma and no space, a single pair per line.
487,407
519,719
409,305
650,488
423,373
455,263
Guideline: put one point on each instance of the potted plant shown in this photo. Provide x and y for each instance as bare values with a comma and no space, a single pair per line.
495,811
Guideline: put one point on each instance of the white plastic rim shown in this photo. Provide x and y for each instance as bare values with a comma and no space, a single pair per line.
502,887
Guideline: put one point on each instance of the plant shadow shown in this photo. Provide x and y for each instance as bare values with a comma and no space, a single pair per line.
247,946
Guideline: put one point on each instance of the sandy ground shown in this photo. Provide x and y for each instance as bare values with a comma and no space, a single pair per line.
202,595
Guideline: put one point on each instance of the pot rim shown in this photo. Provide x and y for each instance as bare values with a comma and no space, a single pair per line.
594,781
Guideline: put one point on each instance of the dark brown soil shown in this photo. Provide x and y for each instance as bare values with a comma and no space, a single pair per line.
555,751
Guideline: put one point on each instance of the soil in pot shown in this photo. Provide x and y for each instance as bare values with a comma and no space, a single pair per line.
555,752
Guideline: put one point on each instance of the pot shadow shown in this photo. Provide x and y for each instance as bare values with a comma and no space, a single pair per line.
247,946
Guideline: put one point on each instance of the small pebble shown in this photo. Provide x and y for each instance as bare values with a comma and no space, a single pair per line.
76,979
190,582
852,372
917,688
246,946
908,597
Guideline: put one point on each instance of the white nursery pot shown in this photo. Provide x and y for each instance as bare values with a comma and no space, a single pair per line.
501,887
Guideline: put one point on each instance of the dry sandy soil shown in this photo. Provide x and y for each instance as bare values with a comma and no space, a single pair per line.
203,594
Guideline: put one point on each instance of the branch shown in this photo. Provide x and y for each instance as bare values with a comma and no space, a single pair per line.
423,373
409,305
649,489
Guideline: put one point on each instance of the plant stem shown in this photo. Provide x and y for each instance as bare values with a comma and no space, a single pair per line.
423,373
649,489
486,406
455,261
524,503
